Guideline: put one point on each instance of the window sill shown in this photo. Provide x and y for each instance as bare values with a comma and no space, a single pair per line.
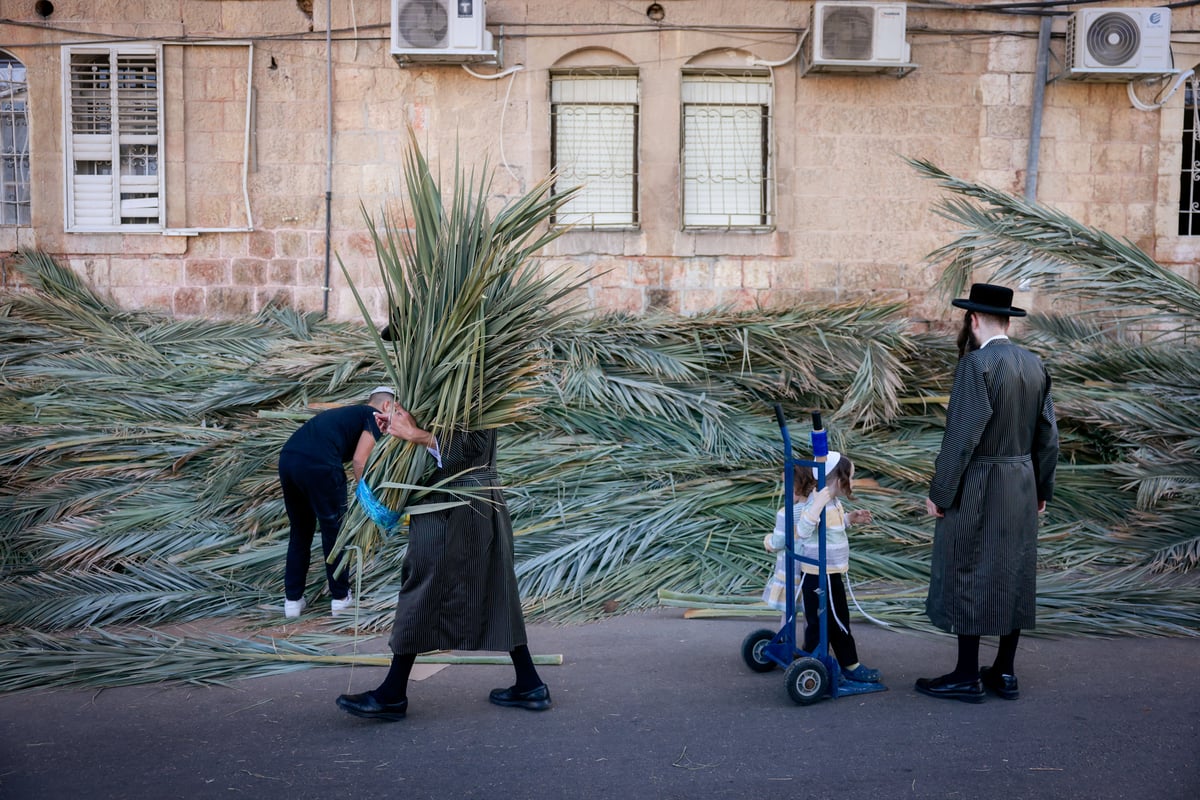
709,229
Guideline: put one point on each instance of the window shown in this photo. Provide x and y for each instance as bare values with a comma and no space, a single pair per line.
593,135
726,150
1189,175
14,142
114,128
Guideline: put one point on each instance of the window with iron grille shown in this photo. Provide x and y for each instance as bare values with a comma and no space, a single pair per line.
114,136
594,144
14,142
726,169
1189,174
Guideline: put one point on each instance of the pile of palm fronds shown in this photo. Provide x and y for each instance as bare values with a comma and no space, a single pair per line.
137,454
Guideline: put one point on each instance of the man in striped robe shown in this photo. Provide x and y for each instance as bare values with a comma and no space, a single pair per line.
458,584
993,476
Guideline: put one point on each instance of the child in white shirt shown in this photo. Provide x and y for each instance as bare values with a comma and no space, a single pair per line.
806,513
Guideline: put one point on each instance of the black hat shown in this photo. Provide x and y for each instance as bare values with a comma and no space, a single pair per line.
987,298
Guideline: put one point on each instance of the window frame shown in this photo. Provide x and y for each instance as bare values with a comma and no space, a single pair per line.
119,104
765,163
634,220
16,98
1188,212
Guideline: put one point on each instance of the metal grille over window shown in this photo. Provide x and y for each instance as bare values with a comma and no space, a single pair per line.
115,132
726,150
594,128
1189,174
14,142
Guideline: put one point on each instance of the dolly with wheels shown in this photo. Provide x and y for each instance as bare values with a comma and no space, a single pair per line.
809,676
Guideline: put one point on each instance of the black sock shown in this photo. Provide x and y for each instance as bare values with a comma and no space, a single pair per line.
1007,652
395,685
527,676
967,668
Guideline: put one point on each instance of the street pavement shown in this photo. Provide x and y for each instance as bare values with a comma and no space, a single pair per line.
648,706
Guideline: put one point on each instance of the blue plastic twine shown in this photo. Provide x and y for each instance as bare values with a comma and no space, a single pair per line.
381,515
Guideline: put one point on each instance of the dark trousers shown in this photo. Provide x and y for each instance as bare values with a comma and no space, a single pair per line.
312,495
841,641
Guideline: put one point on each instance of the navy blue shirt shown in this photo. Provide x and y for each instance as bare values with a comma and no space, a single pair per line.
331,437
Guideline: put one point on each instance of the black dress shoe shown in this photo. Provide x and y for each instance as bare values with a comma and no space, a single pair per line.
951,688
536,699
1000,683
368,706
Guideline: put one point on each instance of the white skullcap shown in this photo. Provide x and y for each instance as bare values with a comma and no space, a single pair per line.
831,461
387,389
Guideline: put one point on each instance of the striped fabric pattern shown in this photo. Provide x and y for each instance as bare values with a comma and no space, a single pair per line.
807,543
458,586
997,461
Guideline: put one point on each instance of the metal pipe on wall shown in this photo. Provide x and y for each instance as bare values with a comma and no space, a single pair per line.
328,154
1039,101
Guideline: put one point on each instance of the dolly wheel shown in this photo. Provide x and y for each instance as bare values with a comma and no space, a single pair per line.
807,680
753,650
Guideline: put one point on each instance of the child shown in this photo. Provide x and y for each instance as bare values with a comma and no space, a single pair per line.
806,513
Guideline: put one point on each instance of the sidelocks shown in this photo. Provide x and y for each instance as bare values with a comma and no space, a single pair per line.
809,676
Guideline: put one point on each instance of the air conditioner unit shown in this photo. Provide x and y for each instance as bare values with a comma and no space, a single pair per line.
857,37
1119,44
446,31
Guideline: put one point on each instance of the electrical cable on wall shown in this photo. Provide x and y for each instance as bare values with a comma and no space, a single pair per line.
513,70
1141,106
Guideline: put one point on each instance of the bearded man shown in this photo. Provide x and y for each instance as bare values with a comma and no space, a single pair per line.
993,477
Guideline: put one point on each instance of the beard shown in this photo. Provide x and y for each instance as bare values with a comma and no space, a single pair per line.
967,341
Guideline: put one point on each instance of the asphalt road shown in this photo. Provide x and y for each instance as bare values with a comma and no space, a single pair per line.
646,706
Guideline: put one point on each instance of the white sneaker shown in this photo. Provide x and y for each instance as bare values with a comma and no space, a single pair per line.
338,606
293,608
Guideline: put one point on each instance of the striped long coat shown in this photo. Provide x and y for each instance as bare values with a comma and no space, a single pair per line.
997,461
458,588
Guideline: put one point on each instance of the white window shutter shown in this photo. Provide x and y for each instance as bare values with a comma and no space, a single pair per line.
725,151
595,146
113,158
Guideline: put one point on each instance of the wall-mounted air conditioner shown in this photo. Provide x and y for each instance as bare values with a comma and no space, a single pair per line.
846,36
446,31
1119,44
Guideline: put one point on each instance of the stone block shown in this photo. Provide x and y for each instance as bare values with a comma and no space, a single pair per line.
662,300
188,301
157,299
631,300
230,302
146,272
781,298
312,300
261,244
756,273
738,299
281,272
275,296
727,274
1009,54
994,89
645,272
206,272
249,271
695,301
1007,122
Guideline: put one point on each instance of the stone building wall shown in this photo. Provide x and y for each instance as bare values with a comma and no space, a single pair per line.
852,218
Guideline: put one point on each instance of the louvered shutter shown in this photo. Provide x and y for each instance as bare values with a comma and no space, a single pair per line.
137,139
114,137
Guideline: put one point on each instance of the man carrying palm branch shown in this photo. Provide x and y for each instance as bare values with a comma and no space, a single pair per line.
463,345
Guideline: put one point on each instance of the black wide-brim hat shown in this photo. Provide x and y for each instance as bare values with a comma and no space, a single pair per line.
988,298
